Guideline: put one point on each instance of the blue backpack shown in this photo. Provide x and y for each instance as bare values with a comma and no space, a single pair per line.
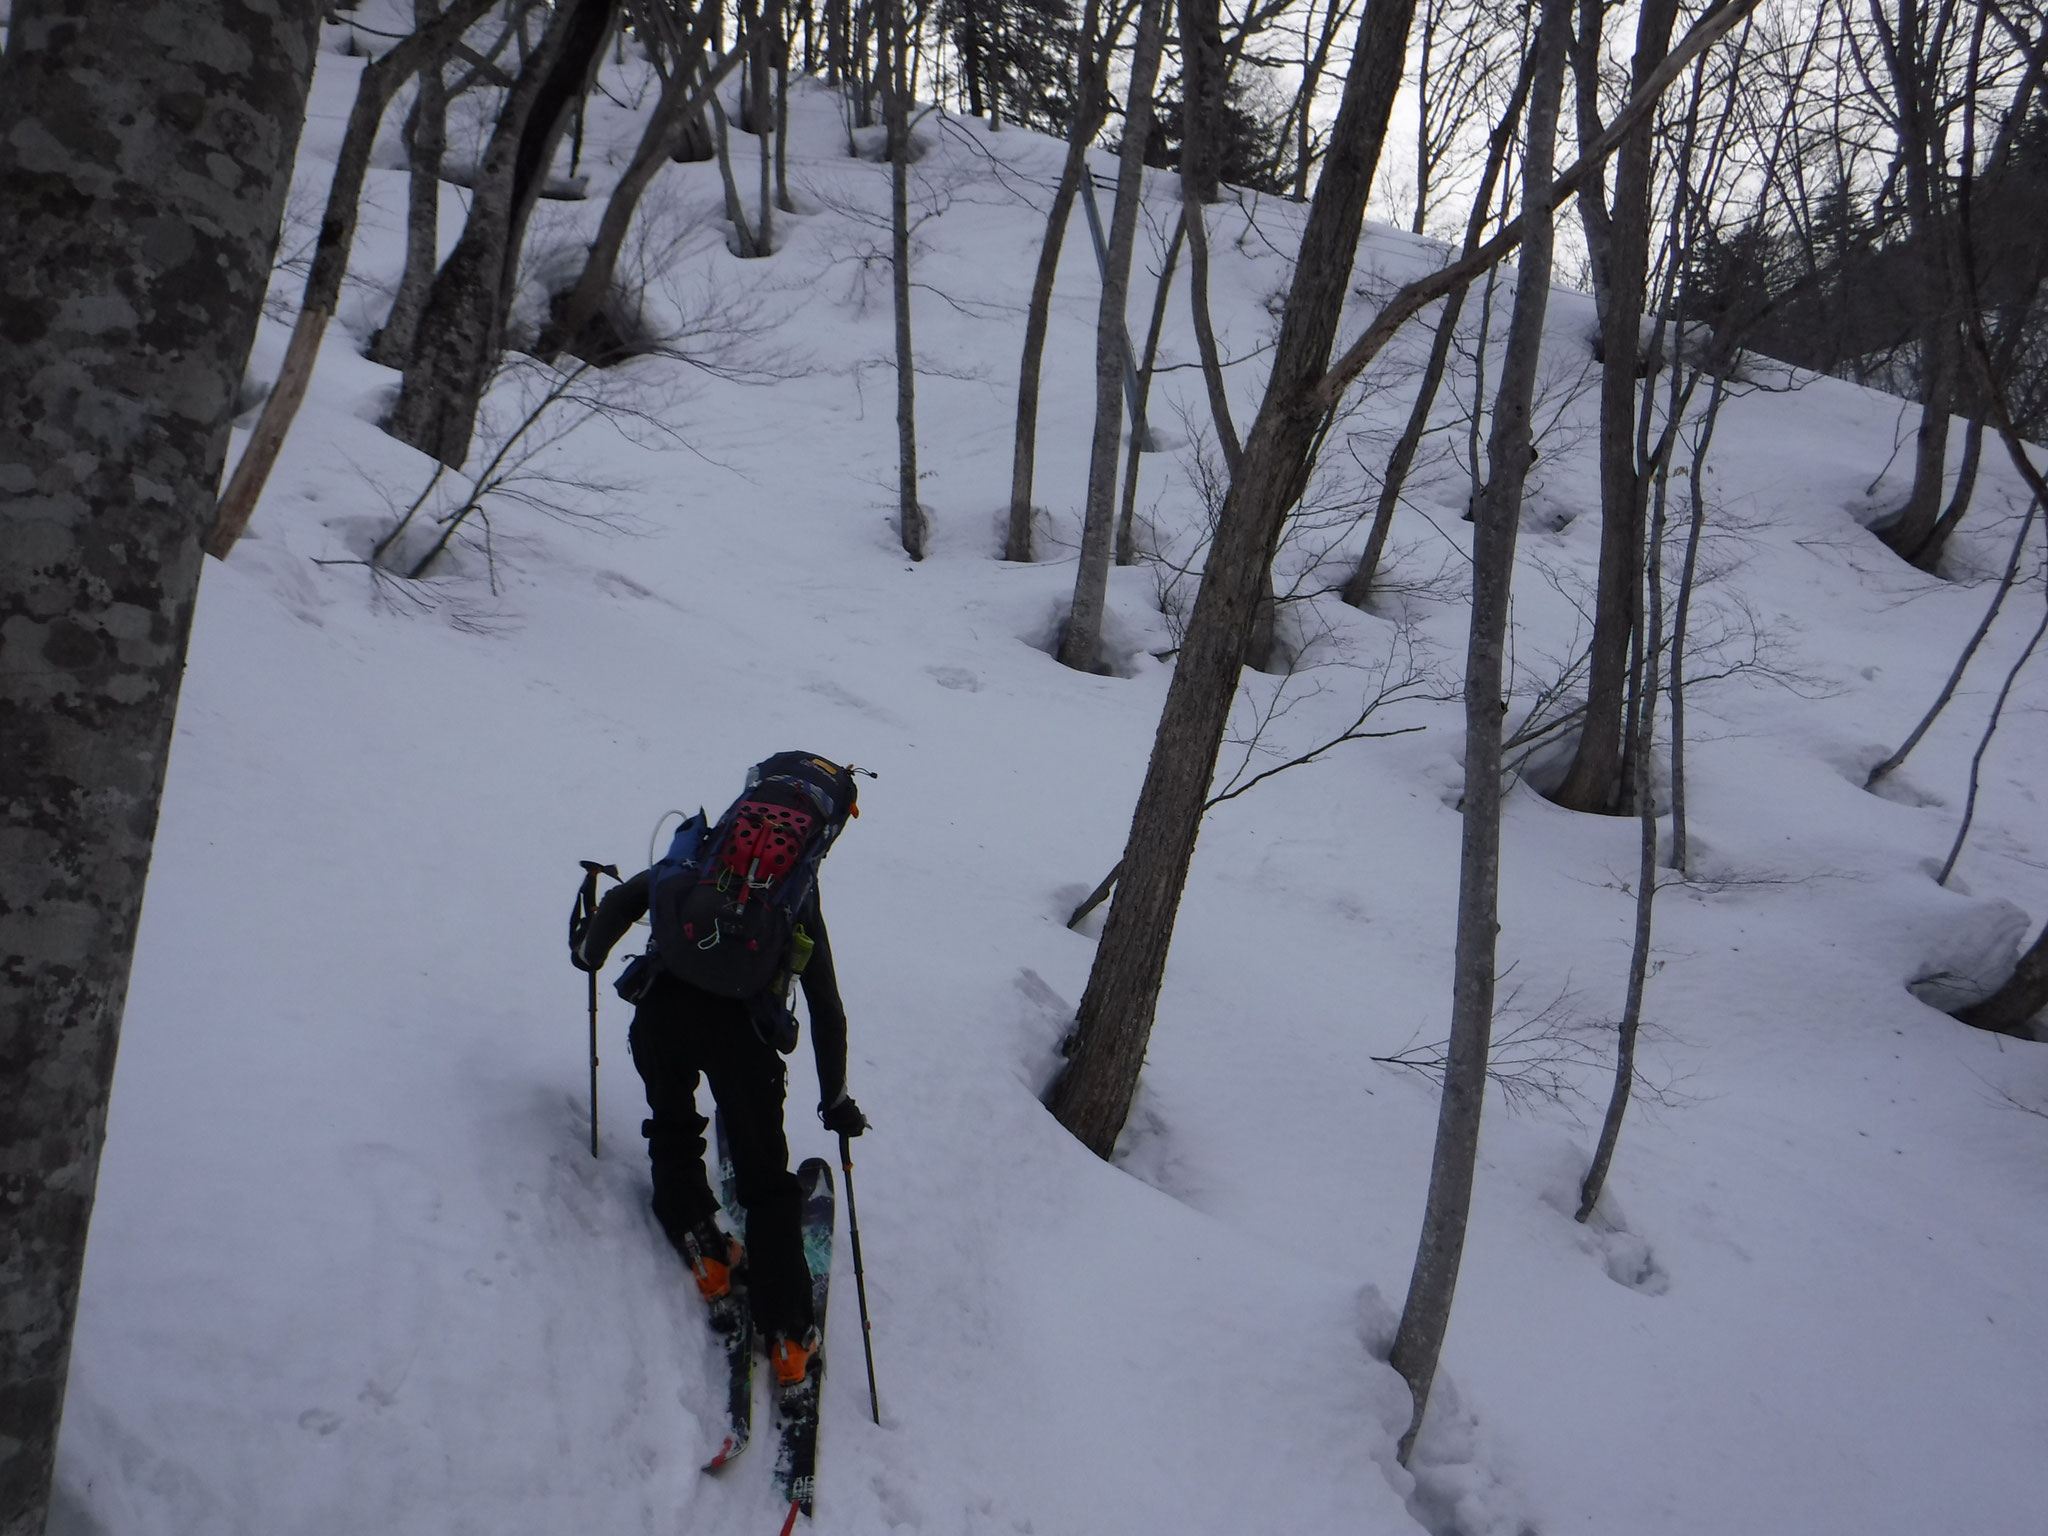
724,901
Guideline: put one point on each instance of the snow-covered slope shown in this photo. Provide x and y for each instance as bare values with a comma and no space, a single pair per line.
353,1268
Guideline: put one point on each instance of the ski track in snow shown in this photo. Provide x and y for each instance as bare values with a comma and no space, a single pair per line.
353,1269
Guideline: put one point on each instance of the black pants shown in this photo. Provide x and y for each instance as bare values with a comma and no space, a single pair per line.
679,1032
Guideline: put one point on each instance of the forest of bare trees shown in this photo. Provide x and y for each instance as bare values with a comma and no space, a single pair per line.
1852,187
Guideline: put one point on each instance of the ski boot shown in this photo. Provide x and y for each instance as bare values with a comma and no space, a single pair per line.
715,1258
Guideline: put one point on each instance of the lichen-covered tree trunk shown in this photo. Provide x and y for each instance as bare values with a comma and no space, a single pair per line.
145,154
462,328
1426,1314
1092,1096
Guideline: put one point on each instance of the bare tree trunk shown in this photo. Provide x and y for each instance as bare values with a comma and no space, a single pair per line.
1126,540
1081,642
1201,45
1358,590
145,157
1593,782
735,209
426,142
782,198
1711,25
765,225
972,54
1984,745
1587,60
676,105
862,62
910,512
1092,1097
2010,1010
695,142
1475,458
1205,335
1682,617
380,79
1928,555
1912,61
1425,78
1645,801
1316,62
756,100
462,328
1088,114
1107,1047
1909,528
914,72
1955,676
1427,1313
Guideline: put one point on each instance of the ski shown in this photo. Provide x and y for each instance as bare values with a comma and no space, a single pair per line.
733,1321
796,1457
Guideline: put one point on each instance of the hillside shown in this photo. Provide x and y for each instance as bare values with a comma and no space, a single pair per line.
353,1268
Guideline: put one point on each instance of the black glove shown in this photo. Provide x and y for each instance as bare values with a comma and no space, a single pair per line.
579,925
843,1117
584,913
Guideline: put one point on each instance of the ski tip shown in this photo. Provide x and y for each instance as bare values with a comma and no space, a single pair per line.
732,1447
789,1520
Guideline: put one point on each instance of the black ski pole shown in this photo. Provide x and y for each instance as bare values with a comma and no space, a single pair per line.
586,906
860,1279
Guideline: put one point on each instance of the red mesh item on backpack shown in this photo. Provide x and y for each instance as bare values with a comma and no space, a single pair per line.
767,840
724,913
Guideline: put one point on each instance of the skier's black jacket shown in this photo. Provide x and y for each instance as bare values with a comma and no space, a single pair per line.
626,903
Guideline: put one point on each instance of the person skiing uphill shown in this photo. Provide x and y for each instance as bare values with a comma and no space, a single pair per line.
711,999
